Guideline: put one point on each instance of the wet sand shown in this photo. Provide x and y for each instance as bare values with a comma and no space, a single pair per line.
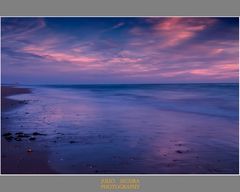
8,104
16,156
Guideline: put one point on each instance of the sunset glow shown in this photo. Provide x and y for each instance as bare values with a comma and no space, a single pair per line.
119,50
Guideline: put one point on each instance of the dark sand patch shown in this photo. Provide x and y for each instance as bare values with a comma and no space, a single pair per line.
19,156
8,104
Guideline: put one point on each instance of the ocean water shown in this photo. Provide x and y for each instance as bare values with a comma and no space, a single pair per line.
164,129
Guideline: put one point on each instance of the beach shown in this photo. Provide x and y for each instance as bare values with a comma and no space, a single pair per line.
15,158
101,129
7,103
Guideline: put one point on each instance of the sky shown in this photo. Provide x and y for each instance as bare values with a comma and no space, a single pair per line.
119,50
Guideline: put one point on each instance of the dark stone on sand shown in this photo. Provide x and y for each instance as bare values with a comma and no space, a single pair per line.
21,135
72,141
36,133
26,113
32,138
178,151
18,139
29,150
9,138
7,134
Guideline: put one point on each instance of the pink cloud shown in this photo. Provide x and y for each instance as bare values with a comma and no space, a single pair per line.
63,57
59,56
137,31
177,30
125,60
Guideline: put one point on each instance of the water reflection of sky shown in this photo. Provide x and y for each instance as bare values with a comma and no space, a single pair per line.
119,132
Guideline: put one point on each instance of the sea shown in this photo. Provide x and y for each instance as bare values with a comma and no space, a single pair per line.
134,128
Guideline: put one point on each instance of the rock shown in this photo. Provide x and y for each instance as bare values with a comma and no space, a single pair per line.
7,134
21,134
36,133
32,138
9,138
18,139
72,141
29,150
178,151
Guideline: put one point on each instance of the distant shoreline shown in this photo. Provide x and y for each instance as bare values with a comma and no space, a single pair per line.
8,104
116,84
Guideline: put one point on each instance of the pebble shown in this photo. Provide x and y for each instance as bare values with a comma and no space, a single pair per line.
22,135
29,150
32,138
178,151
18,139
36,133
9,138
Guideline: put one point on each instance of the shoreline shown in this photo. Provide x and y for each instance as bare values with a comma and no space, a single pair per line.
9,104
15,157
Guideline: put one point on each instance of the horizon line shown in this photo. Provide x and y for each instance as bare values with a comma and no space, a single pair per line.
17,84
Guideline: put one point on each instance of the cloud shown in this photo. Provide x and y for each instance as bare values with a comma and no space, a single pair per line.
58,55
177,30
17,29
118,25
157,50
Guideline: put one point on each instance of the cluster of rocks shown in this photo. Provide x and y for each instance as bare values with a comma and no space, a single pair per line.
19,136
